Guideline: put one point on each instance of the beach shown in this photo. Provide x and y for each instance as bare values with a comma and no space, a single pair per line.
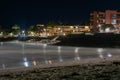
101,69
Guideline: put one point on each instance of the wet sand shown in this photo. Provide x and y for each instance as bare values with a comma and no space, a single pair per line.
101,69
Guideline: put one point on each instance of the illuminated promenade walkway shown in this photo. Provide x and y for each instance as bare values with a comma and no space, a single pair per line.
19,54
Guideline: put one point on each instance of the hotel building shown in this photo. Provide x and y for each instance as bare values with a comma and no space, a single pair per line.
98,18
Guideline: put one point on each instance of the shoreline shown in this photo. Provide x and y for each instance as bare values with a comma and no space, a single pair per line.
62,64
102,69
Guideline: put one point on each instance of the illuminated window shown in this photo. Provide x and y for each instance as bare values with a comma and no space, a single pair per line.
113,16
97,15
113,21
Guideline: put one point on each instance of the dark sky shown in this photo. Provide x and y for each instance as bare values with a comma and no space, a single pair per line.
30,12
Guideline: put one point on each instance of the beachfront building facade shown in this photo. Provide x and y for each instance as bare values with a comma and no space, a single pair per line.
99,18
60,30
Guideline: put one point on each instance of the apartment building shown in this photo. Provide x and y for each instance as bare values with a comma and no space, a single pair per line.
59,30
98,18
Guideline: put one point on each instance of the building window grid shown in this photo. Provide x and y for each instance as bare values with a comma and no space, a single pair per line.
113,16
118,21
113,21
106,17
101,15
118,16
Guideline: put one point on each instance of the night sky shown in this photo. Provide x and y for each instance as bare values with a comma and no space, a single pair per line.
31,12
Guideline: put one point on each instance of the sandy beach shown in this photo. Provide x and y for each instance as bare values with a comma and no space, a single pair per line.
101,69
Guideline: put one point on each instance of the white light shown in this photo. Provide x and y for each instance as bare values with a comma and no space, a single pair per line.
76,50
107,30
100,50
76,27
50,61
34,63
99,25
64,34
23,31
1,43
26,64
101,56
44,29
86,27
58,28
77,58
59,49
44,45
109,55
71,27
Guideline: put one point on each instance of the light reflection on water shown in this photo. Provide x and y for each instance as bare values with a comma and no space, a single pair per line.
44,54
25,62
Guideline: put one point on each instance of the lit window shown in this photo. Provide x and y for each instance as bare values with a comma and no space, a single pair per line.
113,16
113,21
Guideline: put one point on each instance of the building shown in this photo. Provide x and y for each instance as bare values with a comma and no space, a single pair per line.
45,31
98,18
67,29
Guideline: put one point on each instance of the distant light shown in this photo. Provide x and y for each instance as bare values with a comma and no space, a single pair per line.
32,33
48,34
73,30
100,50
99,25
107,30
86,27
76,27
109,55
59,48
44,29
71,27
25,59
50,61
101,56
58,28
76,50
26,64
77,58
34,63
61,60
23,31
44,45
64,34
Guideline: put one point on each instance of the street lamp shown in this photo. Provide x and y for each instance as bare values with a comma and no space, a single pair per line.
99,26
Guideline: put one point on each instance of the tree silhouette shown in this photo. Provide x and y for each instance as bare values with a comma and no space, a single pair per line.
15,29
103,27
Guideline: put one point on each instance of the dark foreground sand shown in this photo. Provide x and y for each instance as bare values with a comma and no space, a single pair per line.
99,69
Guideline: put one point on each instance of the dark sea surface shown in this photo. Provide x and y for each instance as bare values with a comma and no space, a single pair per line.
109,40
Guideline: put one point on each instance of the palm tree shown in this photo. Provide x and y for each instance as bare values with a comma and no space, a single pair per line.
31,28
15,29
36,29
105,26
51,24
